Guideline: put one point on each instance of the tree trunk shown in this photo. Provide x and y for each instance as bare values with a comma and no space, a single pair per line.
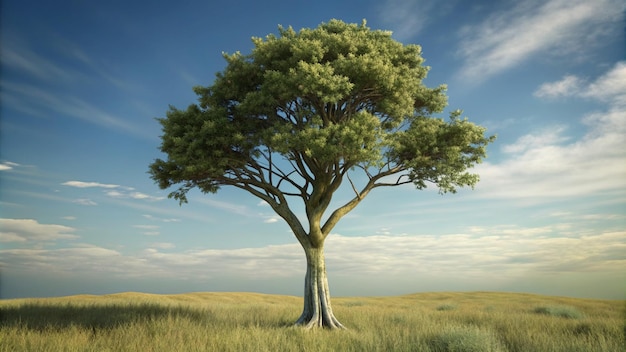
317,311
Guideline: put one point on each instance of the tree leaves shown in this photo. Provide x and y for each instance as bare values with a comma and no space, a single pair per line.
304,108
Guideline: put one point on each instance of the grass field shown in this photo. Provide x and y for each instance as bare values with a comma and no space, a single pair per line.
477,321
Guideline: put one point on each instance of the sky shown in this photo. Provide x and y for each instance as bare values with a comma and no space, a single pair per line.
82,82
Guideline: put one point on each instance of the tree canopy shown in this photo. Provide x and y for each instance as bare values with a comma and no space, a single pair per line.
301,112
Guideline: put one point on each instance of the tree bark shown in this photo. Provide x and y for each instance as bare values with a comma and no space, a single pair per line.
317,311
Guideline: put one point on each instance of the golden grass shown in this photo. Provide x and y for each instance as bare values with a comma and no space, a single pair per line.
475,321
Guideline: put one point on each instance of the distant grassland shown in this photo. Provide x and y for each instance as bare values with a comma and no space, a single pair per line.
477,321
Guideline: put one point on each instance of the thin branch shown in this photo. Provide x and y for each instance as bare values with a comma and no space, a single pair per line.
354,187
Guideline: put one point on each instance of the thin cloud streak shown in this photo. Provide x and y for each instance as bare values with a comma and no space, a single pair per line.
27,61
510,37
81,184
22,97
41,99
407,18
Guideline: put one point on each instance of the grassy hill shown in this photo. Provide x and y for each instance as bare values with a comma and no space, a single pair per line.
475,321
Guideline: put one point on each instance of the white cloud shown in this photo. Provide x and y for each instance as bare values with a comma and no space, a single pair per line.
611,87
7,165
115,194
23,230
85,201
80,259
138,195
81,184
542,166
69,218
507,38
150,230
483,253
384,231
146,227
11,237
547,137
568,86
116,191
230,207
163,245
407,17
271,220
154,218
132,195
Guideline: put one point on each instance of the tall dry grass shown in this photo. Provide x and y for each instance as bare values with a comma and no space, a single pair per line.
478,321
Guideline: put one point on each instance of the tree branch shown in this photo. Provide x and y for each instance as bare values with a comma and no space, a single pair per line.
353,187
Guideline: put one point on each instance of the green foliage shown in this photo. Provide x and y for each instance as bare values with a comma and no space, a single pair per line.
560,311
299,112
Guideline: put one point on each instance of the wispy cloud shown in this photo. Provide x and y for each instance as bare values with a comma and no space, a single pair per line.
230,207
542,166
85,201
406,17
97,68
610,87
163,245
28,230
148,230
139,195
146,227
79,258
567,86
20,58
132,195
30,98
114,191
501,251
154,218
547,137
271,219
61,77
81,184
484,254
7,165
509,37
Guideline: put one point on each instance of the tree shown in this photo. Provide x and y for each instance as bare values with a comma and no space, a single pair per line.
292,120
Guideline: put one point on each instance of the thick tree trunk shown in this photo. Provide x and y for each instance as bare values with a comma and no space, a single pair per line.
317,311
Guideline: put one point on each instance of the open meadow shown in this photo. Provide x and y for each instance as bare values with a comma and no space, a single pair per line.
474,321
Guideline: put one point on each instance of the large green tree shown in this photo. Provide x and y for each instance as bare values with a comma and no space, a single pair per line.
300,114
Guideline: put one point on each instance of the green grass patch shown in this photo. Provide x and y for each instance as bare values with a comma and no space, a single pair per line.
465,339
445,307
480,321
560,311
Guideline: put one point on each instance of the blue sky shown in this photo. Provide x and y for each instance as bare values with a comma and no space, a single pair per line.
82,82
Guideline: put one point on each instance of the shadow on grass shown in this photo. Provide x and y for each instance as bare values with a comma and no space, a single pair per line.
95,317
